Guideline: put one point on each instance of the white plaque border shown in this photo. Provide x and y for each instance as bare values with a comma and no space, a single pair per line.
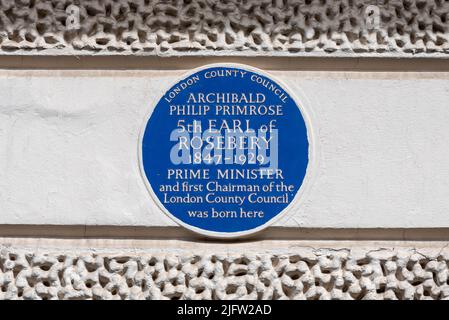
307,182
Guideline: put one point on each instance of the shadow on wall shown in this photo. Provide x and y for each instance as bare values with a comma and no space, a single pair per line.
179,233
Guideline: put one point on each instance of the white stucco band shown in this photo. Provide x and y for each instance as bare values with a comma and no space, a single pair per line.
69,144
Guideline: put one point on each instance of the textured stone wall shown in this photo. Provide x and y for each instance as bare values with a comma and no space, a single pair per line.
353,28
302,273
232,27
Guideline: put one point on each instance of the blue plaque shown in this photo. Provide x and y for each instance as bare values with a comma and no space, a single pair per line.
225,150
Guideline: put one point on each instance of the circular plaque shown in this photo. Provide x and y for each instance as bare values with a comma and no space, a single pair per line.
225,151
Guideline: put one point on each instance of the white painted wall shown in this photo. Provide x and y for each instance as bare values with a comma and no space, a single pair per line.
69,140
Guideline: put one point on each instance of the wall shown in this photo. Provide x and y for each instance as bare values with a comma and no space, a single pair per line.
71,139
77,222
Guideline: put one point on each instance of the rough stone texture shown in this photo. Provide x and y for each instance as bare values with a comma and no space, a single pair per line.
180,27
406,28
301,274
